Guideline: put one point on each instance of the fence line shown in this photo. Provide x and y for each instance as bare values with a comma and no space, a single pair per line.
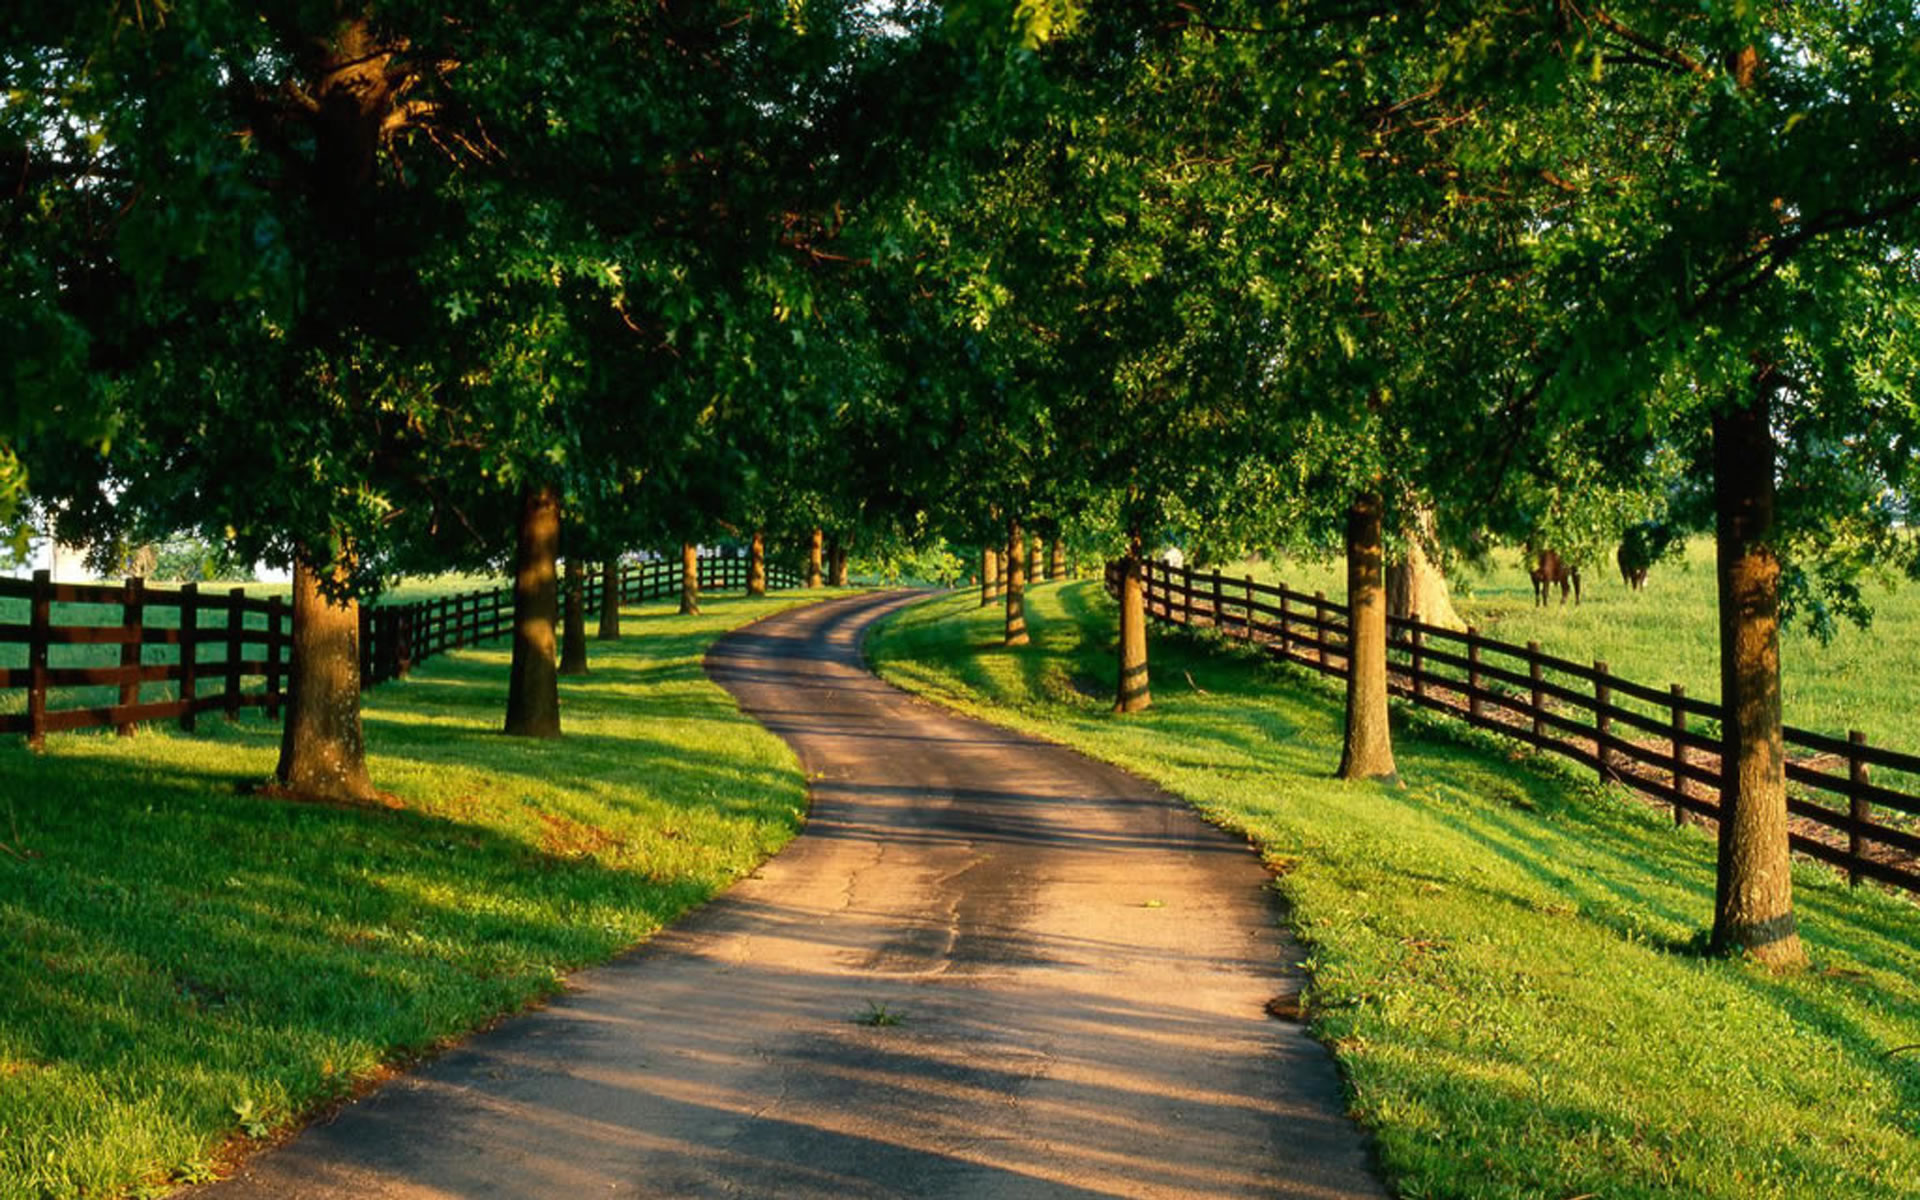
224,651
1661,743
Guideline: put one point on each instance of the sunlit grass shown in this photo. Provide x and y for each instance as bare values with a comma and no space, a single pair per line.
1503,956
180,960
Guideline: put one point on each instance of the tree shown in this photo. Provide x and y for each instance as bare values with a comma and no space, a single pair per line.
533,692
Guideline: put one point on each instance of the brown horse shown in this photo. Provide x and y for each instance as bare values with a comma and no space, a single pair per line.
1551,569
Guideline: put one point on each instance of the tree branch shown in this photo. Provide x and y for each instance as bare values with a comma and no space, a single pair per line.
1666,54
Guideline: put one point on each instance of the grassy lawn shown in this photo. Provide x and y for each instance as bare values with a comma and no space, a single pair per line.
182,964
1866,679
1503,955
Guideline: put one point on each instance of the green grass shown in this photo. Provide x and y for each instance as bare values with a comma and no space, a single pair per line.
182,963
1866,679
1503,956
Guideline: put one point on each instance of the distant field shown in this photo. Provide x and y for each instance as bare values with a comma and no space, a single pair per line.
1864,679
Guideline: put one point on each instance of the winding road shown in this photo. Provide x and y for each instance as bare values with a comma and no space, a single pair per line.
989,967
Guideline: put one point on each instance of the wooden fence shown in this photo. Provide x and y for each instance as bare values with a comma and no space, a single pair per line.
1659,742
121,654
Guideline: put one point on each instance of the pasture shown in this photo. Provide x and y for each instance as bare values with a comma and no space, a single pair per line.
1866,679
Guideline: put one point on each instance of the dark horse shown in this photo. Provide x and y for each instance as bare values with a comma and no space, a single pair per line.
1641,546
1551,569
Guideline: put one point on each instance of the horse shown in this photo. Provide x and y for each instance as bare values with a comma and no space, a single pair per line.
1551,569
1633,570
1641,546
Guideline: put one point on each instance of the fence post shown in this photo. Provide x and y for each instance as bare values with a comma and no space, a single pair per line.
275,606
1539,696
40,633
133,623
1320,630
1247,628
1473,673
1219,603
1602,720
403,647
1858,807
236,630
1677,721
1417,664
1186,596
189,653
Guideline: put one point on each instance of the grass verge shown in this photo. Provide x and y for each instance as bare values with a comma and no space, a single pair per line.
184,966
1504,957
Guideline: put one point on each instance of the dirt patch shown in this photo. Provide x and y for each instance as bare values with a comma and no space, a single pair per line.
563,837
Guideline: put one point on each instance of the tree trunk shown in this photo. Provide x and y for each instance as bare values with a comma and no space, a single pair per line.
757,564
842,551
573,645
1036,560
989,576
1753,902
533,687
1368,753
813,559
1016,585
1416,586
1132,693
323,755
609,602
1057,560
689,579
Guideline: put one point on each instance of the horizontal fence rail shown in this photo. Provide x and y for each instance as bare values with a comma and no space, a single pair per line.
1662,743
122,654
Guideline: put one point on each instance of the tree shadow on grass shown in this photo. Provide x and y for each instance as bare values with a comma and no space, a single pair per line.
170,945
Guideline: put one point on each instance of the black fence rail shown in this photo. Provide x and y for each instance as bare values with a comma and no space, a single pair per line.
1659,742
174,653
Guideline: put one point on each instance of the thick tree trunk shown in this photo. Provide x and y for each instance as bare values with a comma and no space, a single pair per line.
1368,753
1133,694
1416,586
609,602
1057,560
573,643
323,755
813,558
989,576
689,578
1016,585
757,564
1753,902
837,565
533,687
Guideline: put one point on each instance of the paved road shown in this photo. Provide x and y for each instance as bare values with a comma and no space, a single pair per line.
1078,968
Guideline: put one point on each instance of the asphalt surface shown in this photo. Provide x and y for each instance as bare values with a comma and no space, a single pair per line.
990,967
